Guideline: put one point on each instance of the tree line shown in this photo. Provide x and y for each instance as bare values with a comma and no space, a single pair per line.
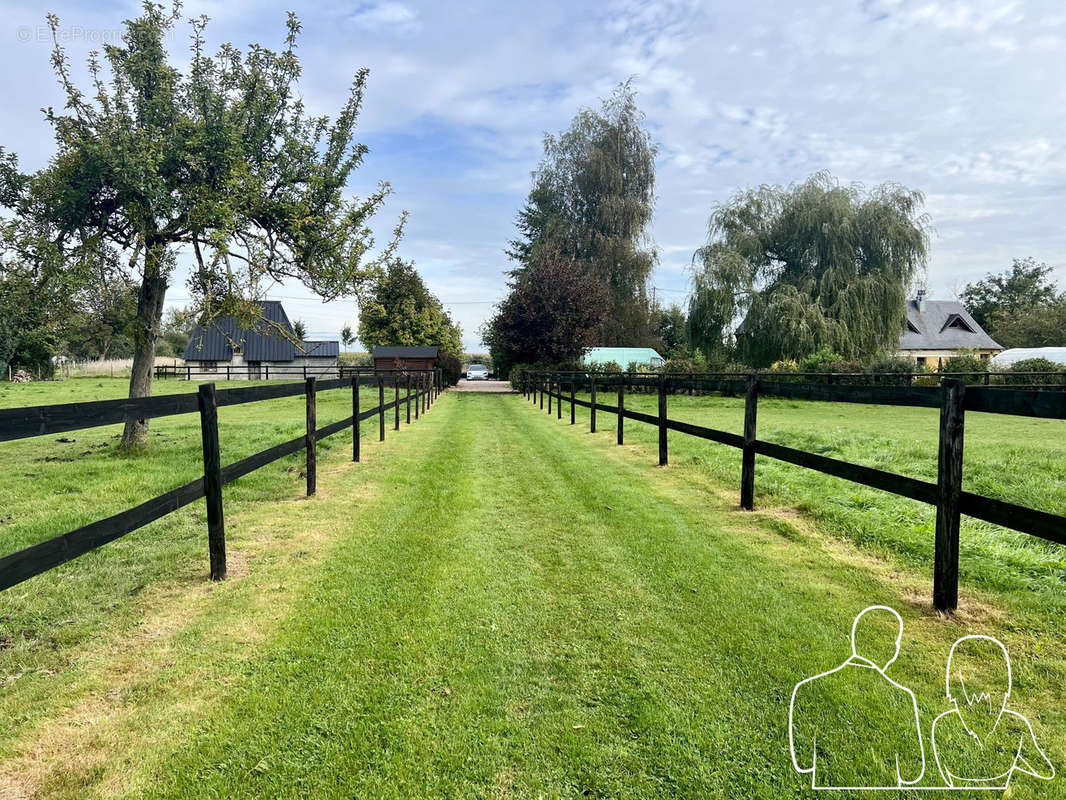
787,273
217,159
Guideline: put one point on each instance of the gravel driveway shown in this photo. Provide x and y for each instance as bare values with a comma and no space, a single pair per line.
483,386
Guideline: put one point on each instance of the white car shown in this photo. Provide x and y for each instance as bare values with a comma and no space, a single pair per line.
477,372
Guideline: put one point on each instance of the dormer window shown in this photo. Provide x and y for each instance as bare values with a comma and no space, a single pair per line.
958,323
912,328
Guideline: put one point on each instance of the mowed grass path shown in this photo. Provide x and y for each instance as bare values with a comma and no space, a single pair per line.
501,605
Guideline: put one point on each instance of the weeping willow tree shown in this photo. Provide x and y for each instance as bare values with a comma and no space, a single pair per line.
809,266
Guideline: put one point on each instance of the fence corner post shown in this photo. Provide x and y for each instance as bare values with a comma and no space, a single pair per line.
747,468
216,521
662,420
311,390
355,418
949,495
621,406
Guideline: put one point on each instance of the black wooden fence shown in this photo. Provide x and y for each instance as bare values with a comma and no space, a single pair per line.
952,397
418,388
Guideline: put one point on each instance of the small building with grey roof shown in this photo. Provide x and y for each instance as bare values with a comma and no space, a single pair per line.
226,347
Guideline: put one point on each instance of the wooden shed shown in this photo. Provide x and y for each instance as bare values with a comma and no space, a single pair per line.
407,358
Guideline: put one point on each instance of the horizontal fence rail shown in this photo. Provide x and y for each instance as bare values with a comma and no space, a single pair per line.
952,397
419,387
265,372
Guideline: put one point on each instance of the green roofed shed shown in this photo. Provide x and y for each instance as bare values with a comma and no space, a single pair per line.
622,356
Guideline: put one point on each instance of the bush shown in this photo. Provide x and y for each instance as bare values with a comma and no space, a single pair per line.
1033,365
518,373
451,368
891,366
968,362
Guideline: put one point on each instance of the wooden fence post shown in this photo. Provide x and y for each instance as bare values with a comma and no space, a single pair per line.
662,419
747,465
355,417
408,398
559,399
216,522
396,401
621,405
418,395
549,395
572,385
310,390
381,409
949,492
592,400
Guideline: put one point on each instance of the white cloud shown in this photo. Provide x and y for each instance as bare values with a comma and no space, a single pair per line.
387,17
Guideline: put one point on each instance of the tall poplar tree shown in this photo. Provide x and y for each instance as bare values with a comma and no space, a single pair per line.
591,203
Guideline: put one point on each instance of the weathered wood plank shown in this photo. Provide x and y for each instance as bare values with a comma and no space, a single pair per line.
949,495
747,464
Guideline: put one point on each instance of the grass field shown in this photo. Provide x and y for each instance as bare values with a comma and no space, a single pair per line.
494,604
1017,459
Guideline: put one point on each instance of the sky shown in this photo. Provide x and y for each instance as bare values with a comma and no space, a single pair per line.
964,100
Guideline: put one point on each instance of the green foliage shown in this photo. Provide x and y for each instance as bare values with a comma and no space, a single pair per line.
517,374
1033,326
1037,365
176,329
451,368
671,327
969,361
591,204
101,323
399,310
1025,285
221,160
551,314
35,299
1032,365
347,336
826,360
885,362
299,329
809,266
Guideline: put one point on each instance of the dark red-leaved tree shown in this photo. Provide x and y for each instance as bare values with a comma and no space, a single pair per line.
552,314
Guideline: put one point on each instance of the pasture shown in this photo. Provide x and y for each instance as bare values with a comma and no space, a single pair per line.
1018,459
494,604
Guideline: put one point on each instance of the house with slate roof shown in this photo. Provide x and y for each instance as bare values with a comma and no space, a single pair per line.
225,349
937,330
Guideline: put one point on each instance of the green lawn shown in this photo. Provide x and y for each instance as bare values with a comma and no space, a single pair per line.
494,604
1017,459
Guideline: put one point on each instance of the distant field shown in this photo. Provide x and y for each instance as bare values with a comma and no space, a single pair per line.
1017,459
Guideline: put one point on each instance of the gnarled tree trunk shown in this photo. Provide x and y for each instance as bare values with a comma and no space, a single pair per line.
149,320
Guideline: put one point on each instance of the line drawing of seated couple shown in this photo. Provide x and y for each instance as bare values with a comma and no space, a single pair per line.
878,743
